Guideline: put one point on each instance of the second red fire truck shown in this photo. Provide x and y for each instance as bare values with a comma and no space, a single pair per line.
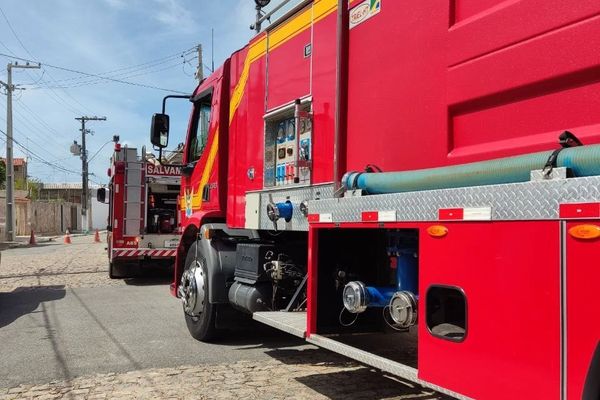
143,222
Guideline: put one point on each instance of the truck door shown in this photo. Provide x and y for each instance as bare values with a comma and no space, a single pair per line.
583,325
500,283
201,150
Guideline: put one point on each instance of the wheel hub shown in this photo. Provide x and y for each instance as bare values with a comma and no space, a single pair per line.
192,289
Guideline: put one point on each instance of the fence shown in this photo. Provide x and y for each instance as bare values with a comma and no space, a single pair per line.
44,217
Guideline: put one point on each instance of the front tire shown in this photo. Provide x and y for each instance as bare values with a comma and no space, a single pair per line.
199,313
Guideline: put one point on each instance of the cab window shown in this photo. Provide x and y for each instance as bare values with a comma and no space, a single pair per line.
199,133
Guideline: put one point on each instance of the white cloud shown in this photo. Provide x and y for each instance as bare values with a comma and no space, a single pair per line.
173,15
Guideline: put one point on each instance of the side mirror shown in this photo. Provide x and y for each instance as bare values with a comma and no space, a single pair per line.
188,169
159,132
101,195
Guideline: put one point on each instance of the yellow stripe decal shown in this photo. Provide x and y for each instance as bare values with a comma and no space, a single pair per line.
208,169
196,195
277,37
256,50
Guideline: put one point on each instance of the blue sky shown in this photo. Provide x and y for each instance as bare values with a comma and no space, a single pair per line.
141,41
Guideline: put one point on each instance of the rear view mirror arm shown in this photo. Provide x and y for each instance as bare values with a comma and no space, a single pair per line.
164,109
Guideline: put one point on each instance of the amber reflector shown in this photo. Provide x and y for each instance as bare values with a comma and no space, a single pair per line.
585,231
437,230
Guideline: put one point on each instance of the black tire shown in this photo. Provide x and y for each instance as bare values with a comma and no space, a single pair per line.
202,327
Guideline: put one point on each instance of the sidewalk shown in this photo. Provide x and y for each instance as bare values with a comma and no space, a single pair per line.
23,241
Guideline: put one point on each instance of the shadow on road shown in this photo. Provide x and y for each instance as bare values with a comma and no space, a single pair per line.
23,301
256,336
151,276
365,383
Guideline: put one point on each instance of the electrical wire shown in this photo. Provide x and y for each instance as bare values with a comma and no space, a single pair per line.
39,158
55,96
94,75
97,81
40,134
136,67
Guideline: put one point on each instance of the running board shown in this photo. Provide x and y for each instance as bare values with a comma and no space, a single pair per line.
375,361
292,322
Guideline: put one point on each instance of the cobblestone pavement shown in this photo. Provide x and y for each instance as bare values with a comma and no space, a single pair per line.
80,264
309,373
297,378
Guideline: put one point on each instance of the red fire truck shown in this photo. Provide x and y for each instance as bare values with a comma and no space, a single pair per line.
413,184
142,202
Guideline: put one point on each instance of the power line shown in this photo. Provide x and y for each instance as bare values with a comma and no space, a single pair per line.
94,75
136,67
33,130
57,98
96,81
39,158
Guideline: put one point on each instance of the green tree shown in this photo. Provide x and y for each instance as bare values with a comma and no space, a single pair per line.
32,186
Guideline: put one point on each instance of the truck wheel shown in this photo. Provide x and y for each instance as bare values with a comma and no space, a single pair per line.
200,314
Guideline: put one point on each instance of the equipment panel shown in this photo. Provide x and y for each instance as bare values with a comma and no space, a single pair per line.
288,142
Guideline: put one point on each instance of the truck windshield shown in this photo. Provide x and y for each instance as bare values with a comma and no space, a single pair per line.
199,134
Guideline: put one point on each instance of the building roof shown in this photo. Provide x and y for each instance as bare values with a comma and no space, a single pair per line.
66,186
17,162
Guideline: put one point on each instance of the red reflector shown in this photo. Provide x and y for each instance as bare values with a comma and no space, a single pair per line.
450,213
367,216
120,167
313,217
580,210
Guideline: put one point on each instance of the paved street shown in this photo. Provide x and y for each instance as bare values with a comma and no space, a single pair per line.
67,331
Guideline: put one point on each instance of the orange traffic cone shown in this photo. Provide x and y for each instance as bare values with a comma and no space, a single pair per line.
67,237
32,239
97,237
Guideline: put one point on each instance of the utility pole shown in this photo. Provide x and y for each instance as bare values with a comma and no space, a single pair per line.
84,171
199,72
10,168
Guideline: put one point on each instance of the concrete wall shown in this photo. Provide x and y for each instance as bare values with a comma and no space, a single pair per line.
99,214
44,217
54,218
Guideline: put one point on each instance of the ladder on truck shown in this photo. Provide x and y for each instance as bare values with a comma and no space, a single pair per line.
134,198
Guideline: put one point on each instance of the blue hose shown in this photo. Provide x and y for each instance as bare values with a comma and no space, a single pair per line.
583,161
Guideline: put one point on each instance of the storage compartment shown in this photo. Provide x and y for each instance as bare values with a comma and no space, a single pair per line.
162,208
367,291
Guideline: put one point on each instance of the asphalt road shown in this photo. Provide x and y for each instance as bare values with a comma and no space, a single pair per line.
68,331
57,333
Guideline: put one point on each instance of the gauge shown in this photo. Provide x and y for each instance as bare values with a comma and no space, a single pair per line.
291,129
281,133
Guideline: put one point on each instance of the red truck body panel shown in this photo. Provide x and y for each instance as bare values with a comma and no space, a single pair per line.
480,86
433,84
582,276
512,343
